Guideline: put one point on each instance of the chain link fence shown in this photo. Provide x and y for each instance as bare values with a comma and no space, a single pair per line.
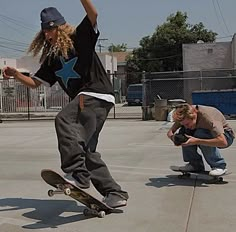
16,100
159,88
183,85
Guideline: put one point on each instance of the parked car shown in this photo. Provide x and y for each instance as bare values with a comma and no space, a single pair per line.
135,94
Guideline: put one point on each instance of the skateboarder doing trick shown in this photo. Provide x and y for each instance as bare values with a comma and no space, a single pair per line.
202,127
68,57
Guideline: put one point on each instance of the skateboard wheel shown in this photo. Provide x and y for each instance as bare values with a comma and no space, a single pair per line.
67,191
101,214
50,193
220,179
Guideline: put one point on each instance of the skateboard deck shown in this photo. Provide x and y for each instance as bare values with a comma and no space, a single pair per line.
203,175
94,206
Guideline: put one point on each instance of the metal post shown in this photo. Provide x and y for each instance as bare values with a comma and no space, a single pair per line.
28,99
200,79
144,97
45,98
1,101
100,45
112,74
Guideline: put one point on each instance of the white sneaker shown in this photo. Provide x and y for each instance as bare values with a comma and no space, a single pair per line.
115,200
217,172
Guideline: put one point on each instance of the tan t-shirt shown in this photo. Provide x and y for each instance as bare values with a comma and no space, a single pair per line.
212,119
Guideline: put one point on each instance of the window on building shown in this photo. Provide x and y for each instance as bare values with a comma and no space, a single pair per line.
209,50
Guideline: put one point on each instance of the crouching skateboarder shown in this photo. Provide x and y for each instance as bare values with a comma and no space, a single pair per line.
68,56
202,127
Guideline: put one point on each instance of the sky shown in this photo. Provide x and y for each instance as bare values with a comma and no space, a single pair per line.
119,21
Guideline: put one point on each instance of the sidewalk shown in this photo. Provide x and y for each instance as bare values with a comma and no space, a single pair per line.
139,155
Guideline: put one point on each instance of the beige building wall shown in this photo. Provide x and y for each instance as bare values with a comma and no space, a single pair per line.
208,57
205,56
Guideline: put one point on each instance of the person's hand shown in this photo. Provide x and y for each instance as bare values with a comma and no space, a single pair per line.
8,72
190,141
170,135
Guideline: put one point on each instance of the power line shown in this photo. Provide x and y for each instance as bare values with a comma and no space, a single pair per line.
160,58
19,27
100,45
16,22
224,37
10,26
218,18
14,49
222,16
10,40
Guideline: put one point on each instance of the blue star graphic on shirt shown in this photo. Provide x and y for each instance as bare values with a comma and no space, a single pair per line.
67,72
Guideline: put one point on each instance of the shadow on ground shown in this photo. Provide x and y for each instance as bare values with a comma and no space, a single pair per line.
48,213
173,180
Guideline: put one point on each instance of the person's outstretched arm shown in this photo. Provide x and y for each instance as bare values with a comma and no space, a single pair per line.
28,81
90,10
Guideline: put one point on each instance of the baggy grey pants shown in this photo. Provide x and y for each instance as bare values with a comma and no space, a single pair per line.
78,126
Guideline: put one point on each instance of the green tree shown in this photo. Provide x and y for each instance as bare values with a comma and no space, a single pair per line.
162,51
118,48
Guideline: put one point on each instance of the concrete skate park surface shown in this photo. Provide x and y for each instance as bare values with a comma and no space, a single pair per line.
138,154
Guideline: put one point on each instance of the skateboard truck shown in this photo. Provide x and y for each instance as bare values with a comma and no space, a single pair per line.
60,190
93,209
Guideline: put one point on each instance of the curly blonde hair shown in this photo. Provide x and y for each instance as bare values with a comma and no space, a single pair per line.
63,45
183,111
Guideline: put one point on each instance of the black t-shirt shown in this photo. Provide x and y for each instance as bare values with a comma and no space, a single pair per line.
83,70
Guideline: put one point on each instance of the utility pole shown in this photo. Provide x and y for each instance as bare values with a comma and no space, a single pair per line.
112,60
100,45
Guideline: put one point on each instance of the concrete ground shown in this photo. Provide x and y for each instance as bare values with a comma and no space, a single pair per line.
138,154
